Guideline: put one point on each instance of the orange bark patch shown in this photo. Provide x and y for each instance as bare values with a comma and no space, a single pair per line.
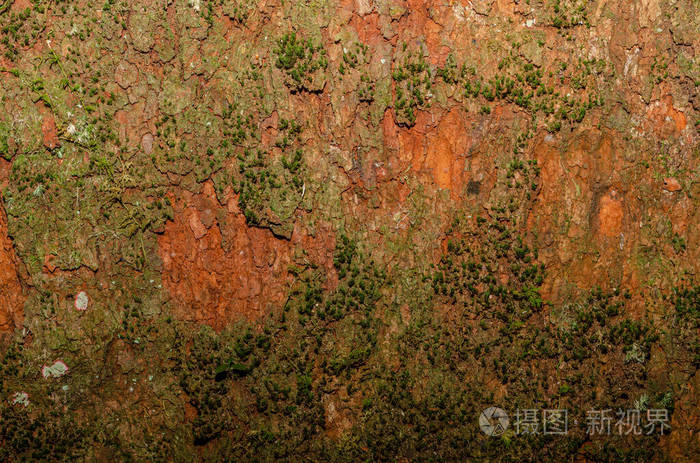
418,22
610,215
672,184
218,269
11,295
438,150
447,145
666,120
367,28
48,128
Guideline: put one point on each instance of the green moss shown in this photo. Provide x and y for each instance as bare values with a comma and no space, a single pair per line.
302,62
380,347
270,187
4,146
413,83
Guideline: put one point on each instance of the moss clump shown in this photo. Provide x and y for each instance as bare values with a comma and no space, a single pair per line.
238,10
566,14
356,58
264,392
302,62
530,87
413,81
686,313
4,146
271,187
41,436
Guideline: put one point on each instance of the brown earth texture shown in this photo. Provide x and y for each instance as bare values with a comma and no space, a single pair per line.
342,230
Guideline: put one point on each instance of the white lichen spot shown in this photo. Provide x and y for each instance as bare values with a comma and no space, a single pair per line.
635,354
196,4
56,370
38,191
82,300
631,63
459,12
20,398
70,129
